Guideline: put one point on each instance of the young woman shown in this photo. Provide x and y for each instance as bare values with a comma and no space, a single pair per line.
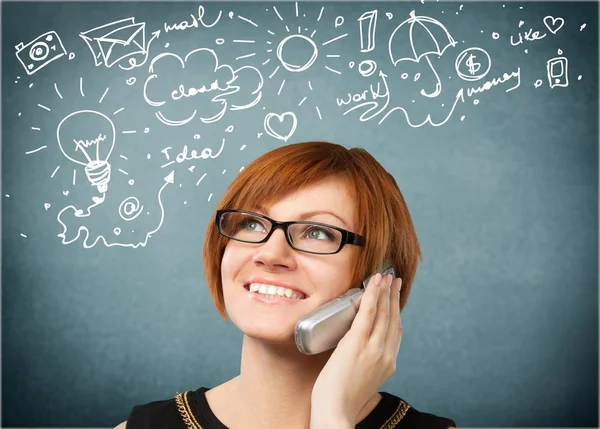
297,228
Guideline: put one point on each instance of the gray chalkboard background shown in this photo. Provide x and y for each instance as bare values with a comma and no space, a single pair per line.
104,303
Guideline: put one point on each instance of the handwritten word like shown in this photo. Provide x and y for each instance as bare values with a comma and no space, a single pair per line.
527,36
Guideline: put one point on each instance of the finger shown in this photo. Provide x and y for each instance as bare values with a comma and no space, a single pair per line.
367,308
394,333
382,318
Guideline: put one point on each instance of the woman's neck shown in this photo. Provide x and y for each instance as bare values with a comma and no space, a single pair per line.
277,381
273,389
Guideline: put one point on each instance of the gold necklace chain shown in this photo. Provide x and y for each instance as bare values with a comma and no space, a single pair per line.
398,415
186,412
190,421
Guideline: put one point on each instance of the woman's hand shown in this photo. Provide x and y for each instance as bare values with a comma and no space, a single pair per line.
364,359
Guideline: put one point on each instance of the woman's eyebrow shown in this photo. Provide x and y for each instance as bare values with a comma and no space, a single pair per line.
307,215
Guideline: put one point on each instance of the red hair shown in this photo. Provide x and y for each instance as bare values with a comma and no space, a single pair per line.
381,212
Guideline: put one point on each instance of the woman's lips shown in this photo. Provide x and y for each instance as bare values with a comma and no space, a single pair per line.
271,281
276,299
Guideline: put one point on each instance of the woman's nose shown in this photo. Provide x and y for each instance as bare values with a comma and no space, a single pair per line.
275,251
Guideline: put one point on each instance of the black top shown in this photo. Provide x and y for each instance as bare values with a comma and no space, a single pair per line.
190,410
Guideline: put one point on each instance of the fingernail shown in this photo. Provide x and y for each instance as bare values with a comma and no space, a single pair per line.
399,284
390,278
377,279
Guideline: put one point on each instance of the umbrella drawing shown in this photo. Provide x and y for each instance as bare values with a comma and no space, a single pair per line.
428,34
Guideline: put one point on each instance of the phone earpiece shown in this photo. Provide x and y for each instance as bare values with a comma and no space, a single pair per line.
385,268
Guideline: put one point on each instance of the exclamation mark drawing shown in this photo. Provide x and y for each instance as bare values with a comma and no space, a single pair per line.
367,22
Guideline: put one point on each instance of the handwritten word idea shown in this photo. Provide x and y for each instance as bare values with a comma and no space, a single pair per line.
183,156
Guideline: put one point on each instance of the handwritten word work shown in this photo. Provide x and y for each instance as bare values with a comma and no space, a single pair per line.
180,88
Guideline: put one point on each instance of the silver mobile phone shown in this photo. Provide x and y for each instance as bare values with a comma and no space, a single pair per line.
323,328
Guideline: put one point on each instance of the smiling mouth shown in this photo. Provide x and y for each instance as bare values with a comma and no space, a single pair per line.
271,291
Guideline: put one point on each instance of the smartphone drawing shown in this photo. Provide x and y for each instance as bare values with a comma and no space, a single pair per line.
323,328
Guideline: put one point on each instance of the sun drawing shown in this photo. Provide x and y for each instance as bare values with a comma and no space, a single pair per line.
283,44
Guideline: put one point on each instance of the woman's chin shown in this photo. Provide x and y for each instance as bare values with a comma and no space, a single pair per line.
269,333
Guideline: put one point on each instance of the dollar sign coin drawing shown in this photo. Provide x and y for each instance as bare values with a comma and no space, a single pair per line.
472,64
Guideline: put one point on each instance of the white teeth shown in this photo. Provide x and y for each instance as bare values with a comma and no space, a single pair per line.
272,291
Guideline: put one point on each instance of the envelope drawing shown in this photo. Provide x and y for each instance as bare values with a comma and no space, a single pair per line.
111,43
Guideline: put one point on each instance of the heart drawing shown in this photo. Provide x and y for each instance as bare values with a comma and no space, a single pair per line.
269,129
553,24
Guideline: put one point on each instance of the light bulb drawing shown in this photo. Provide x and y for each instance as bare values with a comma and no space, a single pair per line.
87,138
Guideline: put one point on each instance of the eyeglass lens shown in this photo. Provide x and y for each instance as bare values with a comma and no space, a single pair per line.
304,236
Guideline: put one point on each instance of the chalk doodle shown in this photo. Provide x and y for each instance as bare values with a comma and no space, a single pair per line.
403,40
223,81
291,43
476,61
526,36
553,24
87,137
40,52
367,27
368,98
29,152
128,210
558,71
116,41
296,52
506,77
184,156
196,21
366,68
281,118
276,67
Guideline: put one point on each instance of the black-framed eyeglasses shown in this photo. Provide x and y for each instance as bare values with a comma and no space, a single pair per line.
305,236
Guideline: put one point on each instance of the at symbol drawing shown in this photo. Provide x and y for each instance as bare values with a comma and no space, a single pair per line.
432,38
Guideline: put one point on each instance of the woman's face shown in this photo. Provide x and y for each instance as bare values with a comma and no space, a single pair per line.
320,278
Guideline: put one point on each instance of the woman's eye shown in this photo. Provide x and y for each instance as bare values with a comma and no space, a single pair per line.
253,225
319,233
